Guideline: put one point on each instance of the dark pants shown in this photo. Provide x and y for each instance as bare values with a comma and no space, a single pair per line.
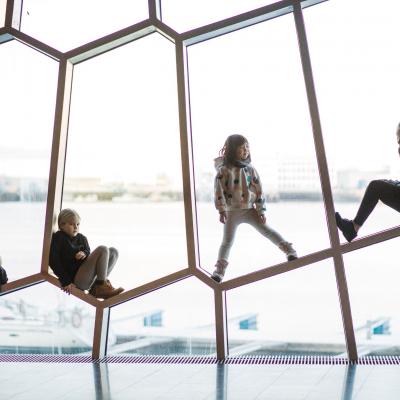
387,191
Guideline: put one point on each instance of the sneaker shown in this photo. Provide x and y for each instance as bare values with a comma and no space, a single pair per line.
104,290
219,272
288,249
346,227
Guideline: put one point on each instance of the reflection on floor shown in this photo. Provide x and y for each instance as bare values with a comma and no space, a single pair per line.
120,381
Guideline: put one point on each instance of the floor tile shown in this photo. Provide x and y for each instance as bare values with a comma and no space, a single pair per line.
113,381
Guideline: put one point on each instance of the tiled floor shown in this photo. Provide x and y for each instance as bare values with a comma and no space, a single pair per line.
74,381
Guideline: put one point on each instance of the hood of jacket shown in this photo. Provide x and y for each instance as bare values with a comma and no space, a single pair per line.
218,162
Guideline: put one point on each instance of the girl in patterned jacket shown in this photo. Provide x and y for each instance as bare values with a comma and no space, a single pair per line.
239,199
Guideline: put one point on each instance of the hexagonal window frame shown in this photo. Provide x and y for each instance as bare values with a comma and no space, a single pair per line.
182,41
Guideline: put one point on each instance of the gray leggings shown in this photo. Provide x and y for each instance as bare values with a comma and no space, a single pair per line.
97,265
237,217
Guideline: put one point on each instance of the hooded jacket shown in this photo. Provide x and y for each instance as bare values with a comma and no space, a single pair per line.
237,188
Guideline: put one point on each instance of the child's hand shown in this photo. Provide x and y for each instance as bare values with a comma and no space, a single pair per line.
222,217
67,289
263,219
80,255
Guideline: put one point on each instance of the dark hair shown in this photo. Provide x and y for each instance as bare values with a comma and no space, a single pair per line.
230,148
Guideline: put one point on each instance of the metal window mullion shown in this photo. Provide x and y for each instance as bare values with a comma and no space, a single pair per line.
325,184
240,21
277,269
100,334
155,9
147,288
221,324
167,32
36,45
58,153
187,155
13,14
110,42
204,277
80,294
21,283
370,240
243,20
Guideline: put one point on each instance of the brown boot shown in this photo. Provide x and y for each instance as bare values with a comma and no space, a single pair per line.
119,290
104,291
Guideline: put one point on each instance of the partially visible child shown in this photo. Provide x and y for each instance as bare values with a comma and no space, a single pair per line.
3,274
385,190
239,199
74,263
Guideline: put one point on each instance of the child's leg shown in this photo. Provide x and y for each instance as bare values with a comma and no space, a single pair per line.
112,259
94,267
232,221
254,219
386,191
230,227
381,189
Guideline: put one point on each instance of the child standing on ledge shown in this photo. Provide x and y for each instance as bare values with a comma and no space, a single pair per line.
74,264
239,199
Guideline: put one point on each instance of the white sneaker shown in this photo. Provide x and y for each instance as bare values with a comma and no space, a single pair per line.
219,272
288,249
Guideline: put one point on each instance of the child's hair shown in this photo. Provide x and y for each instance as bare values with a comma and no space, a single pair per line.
230,147
67,215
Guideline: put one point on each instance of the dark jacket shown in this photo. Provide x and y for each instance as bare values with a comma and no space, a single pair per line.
62,255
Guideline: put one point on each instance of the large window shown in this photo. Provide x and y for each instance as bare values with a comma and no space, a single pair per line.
252,84
355,69
123,169
177,320
42,319
28,82
374,296
357,82
287,314
135,112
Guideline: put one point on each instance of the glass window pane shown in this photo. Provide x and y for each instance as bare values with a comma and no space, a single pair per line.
42,319
294,313
357,82
66,24
250,82
189,14
166,321
373,277
123,168
28,82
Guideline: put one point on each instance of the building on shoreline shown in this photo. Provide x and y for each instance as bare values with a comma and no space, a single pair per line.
287,179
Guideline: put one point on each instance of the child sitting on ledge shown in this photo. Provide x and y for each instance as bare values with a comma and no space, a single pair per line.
74,263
